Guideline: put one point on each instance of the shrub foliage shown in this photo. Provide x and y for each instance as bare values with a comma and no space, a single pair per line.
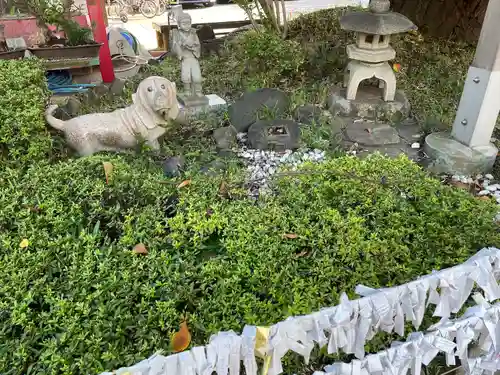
77,300
23,95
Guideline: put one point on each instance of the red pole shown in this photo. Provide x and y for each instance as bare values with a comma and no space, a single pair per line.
97,19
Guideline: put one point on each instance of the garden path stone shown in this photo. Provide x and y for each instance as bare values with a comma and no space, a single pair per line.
372,134
257,104
277,135
172,167
410,130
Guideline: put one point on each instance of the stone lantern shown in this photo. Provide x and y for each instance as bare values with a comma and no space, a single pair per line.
370,55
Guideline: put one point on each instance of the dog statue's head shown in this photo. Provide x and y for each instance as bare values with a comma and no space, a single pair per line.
158,97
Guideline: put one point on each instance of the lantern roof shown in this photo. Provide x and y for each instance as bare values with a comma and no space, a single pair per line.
378,21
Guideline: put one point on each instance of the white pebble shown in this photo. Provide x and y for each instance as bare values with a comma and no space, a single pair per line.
498,200
492,187
470,180
489,176
486,183
455,178
463,180
415,145
479,176
483,192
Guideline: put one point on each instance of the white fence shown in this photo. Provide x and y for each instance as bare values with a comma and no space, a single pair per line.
348,326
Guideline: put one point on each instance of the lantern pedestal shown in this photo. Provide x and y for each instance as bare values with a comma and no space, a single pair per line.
369,104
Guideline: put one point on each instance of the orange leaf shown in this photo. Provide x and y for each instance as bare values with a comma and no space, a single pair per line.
108,170
484,198
182,338
184,183
290,235
224,190
460,185
302,253
140,248
396,67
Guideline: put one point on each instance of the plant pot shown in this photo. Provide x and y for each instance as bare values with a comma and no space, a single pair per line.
68,52
12,55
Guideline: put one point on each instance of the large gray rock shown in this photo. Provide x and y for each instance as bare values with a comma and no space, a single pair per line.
369,104
254,105
278,135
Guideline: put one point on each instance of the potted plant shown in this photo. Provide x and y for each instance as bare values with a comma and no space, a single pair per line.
5,52
77,41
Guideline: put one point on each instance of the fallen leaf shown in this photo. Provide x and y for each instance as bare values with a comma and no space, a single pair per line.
396,67
484,198
108,170
460,185
224,190
302,253
182,338
140,248
368,130
183,183
24,243
290,235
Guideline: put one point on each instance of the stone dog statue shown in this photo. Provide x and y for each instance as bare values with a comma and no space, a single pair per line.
154,104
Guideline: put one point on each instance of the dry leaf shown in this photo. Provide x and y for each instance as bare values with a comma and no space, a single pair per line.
290,235
24,243
182,338
484,198
140,248
183,183
396,67
302,253
224,190
460,185
108,170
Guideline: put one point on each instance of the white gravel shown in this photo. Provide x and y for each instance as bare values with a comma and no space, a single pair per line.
489,189
262,165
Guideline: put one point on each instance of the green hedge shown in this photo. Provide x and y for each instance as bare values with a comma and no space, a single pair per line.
78,301
24,137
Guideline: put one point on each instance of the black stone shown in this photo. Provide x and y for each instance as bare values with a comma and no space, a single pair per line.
172,167
225,137
308,114
278,135
256,104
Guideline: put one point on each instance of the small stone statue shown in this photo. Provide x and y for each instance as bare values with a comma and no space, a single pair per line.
154,104
187,48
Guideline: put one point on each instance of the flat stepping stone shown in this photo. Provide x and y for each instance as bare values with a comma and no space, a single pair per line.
372,134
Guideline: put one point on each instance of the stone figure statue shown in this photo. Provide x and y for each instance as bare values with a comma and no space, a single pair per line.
154,104
187,48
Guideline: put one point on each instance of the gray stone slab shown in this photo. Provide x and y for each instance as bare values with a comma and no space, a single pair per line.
372,133
410,130
369,104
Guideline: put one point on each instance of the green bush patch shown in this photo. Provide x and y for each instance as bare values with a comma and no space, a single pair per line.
23,95
76,300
